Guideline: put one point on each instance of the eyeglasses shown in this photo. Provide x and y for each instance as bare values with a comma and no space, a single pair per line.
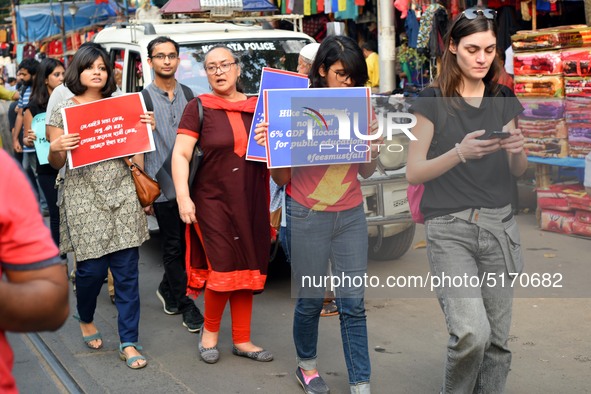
472,13
341,76
171,57
224,68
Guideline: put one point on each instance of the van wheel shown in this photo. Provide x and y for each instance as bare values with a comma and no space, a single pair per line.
392,247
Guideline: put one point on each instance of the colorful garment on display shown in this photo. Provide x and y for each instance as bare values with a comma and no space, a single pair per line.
539,86
577,86
578,121
546,147
536,63
571,36
411,25
543,128
427,24
576,62
543,108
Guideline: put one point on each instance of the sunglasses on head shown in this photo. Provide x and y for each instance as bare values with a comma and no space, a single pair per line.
472,13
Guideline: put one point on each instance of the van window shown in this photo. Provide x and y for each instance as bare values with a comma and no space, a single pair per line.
254,54
118,59
135,82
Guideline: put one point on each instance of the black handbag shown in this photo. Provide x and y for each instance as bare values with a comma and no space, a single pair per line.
164,174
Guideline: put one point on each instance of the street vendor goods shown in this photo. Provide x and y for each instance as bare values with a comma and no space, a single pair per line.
552,38
576,62
536,86
546,147
556,221
537,63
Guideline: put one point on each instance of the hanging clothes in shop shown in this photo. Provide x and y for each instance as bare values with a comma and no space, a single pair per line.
315,26
426,25
438,30
402,6
507,25
411,26
350,12
29,51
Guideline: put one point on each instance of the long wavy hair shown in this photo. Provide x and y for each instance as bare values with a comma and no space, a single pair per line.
40,91
450,80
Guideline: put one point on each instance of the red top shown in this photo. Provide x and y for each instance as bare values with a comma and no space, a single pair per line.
330,188
25,243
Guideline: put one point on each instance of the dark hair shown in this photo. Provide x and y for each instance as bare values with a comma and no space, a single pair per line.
31,65
370,45
39,92
217,46
234,56
161,40
450,78
333,49
84,58
11,79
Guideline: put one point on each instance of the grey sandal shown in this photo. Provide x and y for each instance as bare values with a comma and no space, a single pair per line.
210,355
261,355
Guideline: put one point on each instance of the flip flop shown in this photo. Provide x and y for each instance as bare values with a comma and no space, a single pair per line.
329,309
130,360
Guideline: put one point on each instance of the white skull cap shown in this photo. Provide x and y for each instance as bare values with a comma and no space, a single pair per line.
309,52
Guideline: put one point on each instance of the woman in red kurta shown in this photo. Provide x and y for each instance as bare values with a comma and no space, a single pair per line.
226,208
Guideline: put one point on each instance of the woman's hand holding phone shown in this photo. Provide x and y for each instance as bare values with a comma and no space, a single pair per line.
514,143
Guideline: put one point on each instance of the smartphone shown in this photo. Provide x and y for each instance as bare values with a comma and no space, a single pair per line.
496,134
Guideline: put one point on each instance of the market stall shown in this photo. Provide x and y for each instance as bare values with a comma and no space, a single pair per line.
553,77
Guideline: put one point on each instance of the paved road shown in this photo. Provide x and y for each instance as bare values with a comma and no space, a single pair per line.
551,335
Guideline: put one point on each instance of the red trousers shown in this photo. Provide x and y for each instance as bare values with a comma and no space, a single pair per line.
240,308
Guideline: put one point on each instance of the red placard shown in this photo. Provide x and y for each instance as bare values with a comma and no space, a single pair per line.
108,128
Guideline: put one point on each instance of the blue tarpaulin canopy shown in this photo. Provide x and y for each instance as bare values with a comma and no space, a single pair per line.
38,21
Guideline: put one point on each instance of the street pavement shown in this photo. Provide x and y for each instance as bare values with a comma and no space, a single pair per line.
550,336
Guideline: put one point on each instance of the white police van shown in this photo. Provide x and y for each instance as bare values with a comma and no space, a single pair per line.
390,226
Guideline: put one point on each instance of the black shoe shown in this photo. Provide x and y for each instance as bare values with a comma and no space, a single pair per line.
192,318
316,386
168,303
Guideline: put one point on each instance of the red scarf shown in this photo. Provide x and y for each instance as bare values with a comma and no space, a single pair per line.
234,111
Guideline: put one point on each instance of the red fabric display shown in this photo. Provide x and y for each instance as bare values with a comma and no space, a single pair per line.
558,222
537,63
581,228
555,196
584,216
577,86
576,62
581,201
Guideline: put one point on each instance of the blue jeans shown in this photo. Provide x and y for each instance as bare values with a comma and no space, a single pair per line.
478,317
90,276
341,237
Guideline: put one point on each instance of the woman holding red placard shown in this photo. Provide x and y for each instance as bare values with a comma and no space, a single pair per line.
101,220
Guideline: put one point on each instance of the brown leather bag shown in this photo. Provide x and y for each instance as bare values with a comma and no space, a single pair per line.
146,188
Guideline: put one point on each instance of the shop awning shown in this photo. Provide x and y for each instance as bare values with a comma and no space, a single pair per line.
194,6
